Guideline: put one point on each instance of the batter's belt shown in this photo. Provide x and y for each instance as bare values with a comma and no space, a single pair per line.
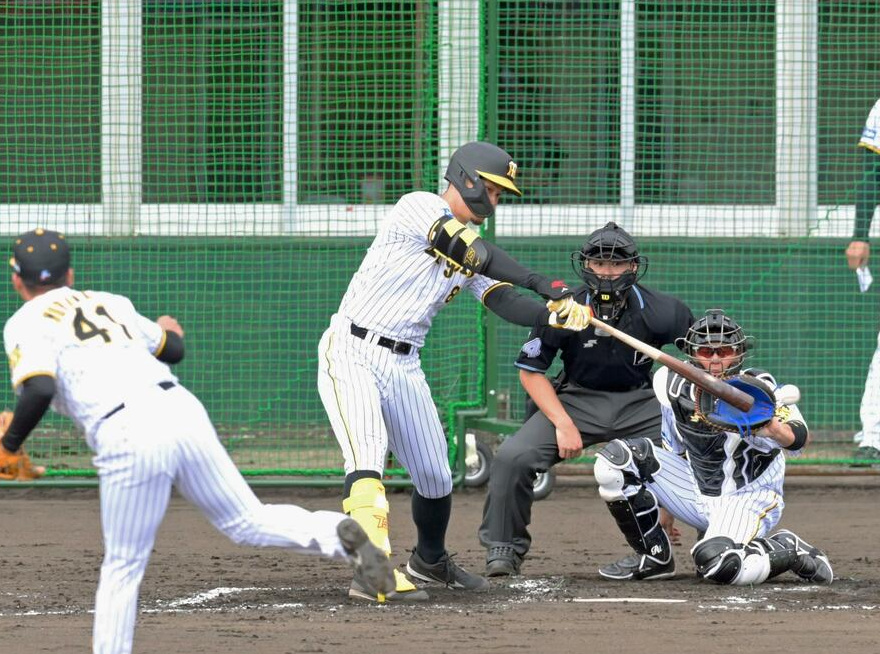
398,347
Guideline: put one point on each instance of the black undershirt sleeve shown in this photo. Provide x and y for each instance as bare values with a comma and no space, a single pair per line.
172,351
501,266
867,195
33,402
505,302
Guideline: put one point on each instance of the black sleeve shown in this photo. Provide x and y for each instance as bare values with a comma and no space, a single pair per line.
33,402
515,308
539,351
172,349
867,195
681,322
503,267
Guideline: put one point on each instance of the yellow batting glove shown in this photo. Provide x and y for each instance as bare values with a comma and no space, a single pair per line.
571,315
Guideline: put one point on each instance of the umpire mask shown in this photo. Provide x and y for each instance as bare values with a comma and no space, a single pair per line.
608,294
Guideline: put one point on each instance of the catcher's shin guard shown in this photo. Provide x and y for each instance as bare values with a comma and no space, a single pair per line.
638,518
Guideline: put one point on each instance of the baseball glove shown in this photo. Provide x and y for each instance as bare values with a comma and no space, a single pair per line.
725,417
568,314
16,466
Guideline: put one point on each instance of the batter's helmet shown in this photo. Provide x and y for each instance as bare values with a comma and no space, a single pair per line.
716,330
475,162
609,243
40,257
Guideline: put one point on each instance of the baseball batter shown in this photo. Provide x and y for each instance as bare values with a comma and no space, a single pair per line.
370,376
95,359
726,484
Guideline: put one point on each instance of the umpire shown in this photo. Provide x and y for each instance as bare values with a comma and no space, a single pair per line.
603,392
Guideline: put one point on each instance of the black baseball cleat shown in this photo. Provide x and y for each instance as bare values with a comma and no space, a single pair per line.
812,563
638,567
502,561
445,571
372,567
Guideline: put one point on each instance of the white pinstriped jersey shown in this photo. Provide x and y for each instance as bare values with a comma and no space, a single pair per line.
721,462
399,288
96,345
871,132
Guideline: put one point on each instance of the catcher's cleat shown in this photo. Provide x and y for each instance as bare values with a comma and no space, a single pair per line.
812,563
502,561
866,455
638,567
404,591
445,571
371,565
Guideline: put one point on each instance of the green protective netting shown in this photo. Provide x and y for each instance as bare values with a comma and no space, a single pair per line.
227,161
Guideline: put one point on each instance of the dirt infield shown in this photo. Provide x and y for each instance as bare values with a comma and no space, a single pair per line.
204,594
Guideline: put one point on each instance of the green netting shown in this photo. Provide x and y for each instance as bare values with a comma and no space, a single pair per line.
228,161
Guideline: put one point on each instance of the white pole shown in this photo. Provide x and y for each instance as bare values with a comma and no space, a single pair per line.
796,100
459,84
121,119
627,112
289,81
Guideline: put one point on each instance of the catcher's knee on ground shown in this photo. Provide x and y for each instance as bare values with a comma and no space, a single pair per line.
725,562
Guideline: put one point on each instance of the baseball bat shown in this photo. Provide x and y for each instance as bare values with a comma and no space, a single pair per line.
731,395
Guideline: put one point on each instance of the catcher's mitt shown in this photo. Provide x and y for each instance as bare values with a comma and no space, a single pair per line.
16,466
725,417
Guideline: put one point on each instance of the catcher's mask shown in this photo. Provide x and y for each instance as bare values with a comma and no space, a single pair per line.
720,334
474,162
609,243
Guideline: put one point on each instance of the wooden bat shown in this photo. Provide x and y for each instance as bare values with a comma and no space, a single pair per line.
731,395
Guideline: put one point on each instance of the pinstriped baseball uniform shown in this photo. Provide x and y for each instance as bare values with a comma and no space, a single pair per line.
148,433
370,377
725,484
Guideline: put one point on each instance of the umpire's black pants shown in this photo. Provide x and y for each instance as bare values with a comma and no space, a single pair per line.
600,416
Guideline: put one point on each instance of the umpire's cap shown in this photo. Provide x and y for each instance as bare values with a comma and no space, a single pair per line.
41,257
475,162
610,242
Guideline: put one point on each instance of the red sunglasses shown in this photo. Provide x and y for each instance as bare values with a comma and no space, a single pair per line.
723,351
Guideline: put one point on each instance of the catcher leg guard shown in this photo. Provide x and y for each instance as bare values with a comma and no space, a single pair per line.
367,505
721,560
781,558
638,518
610,469
811,563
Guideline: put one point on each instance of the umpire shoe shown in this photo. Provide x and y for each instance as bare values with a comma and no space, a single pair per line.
812,564
638,567
445,571
371,565
867,455
502,561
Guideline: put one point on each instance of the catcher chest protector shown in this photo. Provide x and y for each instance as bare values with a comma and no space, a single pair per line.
474,162
610,243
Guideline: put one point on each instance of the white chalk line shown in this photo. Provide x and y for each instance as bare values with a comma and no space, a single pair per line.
625,600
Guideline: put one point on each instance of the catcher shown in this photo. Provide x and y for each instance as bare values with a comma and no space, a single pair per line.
723,475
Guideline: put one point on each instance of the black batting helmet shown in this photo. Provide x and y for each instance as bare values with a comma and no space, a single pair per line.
475,162
40,257
715,330
609,243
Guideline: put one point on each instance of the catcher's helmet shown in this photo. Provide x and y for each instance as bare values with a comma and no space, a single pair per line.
475,162
609,243
716,330
40,257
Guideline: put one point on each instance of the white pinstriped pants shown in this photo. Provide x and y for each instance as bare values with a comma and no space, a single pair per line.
870,409
750,512
377,400
165,438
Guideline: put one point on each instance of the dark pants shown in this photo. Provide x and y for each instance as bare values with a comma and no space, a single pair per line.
599,415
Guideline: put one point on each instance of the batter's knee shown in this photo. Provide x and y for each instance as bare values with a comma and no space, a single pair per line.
433,485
